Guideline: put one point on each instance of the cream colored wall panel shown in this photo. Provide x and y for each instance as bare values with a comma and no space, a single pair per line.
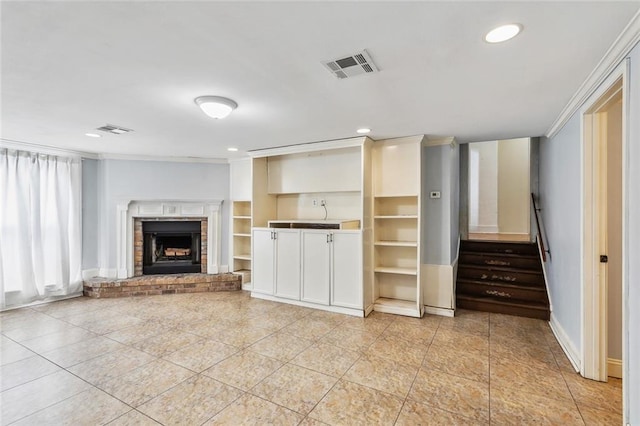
263,205
513,186
394,286
337,170
340,205
240,171
396,168
437,285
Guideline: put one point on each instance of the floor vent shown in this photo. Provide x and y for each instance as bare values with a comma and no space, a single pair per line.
351,66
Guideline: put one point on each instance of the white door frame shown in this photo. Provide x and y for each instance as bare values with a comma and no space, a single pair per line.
594,296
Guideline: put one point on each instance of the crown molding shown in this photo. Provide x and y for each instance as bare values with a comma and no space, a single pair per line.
50,150
44,149
628,38
169,159
309,147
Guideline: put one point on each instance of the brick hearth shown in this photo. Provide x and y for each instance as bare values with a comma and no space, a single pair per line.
161,284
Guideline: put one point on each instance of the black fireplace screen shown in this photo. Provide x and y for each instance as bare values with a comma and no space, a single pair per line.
171,247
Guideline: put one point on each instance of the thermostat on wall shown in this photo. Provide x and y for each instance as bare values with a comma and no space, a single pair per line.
434,194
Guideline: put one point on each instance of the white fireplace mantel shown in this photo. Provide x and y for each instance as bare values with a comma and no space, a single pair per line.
127,210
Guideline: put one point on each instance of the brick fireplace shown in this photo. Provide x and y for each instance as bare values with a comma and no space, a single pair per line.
133,213
139,243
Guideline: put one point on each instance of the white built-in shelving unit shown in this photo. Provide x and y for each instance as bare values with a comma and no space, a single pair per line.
396,230
241,220
312,225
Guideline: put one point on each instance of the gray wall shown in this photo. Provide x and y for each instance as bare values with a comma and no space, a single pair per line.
632,302
89,214
440,165
560,187
534,179
463,203
134,180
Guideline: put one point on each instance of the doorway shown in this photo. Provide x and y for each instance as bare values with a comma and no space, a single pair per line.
499,190
603,125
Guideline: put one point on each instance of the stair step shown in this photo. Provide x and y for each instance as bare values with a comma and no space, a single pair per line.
467,246
530,262
502,291
491,304
499,274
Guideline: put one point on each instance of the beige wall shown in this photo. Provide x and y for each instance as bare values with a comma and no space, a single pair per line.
614,229
483,187
513,186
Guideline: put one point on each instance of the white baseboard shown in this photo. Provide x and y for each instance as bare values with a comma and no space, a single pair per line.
247,286
368,310
224,269
108,273
565,344
90,273
614,368
336,309
439,311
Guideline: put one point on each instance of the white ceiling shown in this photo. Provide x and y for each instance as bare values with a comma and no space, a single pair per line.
69,67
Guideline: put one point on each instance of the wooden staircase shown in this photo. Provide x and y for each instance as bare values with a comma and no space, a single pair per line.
501,277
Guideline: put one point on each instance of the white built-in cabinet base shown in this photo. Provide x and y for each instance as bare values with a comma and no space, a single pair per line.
328,308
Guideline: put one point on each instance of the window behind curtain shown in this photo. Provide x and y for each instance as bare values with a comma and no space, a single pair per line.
40,227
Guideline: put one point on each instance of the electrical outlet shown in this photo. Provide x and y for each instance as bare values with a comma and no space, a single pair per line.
323,202
314,202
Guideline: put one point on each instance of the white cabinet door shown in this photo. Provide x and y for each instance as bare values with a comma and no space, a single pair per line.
263,259
346,282
288,263
316,266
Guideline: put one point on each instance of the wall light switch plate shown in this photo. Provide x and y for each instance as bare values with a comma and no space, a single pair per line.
434,194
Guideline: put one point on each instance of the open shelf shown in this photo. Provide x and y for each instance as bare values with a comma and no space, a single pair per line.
397,307
241,238
402,216
396,270
394,243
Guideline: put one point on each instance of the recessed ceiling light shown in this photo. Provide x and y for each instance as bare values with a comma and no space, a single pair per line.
363,130
216,106
93,135
503,33
231,149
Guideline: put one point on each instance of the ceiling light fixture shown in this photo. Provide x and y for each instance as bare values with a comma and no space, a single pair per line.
363,130
232,149
93,135
503,33
216,106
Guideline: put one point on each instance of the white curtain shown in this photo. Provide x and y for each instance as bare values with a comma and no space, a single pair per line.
40,227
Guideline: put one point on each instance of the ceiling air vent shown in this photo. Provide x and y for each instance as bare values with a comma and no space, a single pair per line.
350,66
116,130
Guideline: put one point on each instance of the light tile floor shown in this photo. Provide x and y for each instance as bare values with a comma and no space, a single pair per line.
224,358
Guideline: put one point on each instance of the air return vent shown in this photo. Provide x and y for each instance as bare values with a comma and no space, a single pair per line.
116,130
350,66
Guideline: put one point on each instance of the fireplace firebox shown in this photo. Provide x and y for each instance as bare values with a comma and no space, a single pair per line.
171,247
